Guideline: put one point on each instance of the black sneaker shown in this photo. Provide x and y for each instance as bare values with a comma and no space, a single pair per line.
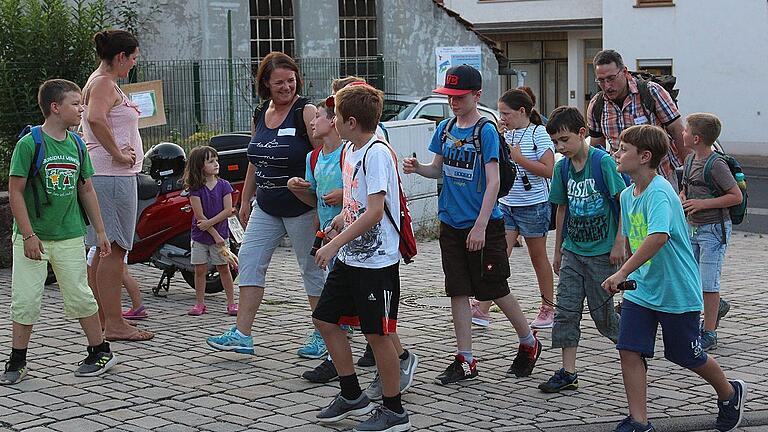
562,380
324,372
731,411
526,358
367,360
96,363
458,370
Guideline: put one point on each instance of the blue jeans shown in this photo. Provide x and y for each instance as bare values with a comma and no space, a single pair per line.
709,251
528,221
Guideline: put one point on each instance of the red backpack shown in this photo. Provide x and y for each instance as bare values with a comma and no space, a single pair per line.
407,239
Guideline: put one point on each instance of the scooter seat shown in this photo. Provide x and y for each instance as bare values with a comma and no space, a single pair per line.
147,186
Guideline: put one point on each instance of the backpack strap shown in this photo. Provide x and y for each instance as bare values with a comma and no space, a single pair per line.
399,185
598,108
477,142
716,191
34,170
384,129
81,150
298,118
597,173
687,167
313,157
446,129
565,172
646,98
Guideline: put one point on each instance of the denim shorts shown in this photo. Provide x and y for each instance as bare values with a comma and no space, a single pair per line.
261,238
528,221
709,251
680,332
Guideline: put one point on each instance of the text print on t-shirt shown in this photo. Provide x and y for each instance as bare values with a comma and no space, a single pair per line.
459,163
587,221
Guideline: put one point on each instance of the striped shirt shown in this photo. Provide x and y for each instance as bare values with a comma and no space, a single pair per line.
525,138
617,118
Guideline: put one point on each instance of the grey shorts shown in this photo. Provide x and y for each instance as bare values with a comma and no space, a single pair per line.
580,278
207,254
261,238
118,200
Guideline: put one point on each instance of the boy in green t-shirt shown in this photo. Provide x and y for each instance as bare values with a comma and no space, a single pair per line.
49,228
588,243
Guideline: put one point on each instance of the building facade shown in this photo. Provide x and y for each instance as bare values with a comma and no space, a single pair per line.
718,50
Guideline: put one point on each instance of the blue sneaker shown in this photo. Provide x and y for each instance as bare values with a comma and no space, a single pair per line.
630,425
708,340
314,347
731,411
231,341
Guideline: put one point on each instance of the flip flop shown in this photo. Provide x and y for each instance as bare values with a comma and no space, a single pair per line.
139,313
139,336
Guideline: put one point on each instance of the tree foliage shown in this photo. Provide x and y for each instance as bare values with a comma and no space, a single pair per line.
40,40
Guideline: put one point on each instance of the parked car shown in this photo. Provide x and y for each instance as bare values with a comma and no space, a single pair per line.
432,107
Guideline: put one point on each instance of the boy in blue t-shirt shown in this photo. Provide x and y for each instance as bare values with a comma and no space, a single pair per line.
588,243
668,289
472,238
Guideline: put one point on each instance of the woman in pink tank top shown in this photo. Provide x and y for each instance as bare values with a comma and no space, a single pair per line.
111,131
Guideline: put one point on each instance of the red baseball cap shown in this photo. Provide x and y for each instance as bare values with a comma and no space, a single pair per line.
460,80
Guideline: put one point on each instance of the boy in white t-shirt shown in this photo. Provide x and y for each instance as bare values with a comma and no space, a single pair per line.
364,286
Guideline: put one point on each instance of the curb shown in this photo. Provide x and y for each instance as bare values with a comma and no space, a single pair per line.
674,424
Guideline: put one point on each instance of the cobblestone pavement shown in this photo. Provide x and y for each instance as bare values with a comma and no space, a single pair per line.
177,383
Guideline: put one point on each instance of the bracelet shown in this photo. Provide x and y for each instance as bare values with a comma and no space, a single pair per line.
28,237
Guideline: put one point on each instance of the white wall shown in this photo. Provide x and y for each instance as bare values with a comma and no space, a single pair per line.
576,85
478,12
720,57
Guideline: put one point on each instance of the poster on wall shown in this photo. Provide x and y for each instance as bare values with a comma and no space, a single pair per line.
148,97
447,57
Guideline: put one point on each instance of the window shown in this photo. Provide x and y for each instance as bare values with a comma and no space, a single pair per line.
271,27
434,112
357,28
654,3
655,66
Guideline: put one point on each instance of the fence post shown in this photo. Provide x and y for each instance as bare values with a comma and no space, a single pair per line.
197,95
230,73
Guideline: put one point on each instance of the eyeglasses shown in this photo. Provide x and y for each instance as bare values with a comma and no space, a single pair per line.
609,79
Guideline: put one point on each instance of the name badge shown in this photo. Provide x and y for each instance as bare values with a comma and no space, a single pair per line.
287,132
641,120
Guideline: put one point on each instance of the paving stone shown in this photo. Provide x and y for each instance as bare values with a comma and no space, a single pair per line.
177,383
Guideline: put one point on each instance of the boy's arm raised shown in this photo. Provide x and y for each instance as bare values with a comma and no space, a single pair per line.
434,170
301,188
90,202
648,248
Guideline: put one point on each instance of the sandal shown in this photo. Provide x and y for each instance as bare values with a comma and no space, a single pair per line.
139,336
139,313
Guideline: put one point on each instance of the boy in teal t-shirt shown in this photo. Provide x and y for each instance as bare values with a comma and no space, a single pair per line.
588,244
49,228
668,285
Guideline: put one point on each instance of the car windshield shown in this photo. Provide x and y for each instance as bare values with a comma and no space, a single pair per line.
403,114
392,108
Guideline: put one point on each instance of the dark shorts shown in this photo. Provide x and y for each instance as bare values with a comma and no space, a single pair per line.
680,332
482,274
361,297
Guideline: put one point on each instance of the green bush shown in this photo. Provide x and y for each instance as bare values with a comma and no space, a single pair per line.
40,40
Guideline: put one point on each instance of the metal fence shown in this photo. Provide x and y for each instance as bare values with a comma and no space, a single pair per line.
206,97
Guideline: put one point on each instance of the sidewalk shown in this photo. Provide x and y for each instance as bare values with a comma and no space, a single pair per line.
177,383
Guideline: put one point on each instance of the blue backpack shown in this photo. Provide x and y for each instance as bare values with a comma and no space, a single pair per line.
595,159
37,162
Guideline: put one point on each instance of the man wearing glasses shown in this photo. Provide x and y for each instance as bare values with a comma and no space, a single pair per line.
621,96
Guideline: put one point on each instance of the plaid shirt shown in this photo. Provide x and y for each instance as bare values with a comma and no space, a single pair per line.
616,119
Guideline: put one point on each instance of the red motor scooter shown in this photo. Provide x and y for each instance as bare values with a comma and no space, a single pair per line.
162,237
